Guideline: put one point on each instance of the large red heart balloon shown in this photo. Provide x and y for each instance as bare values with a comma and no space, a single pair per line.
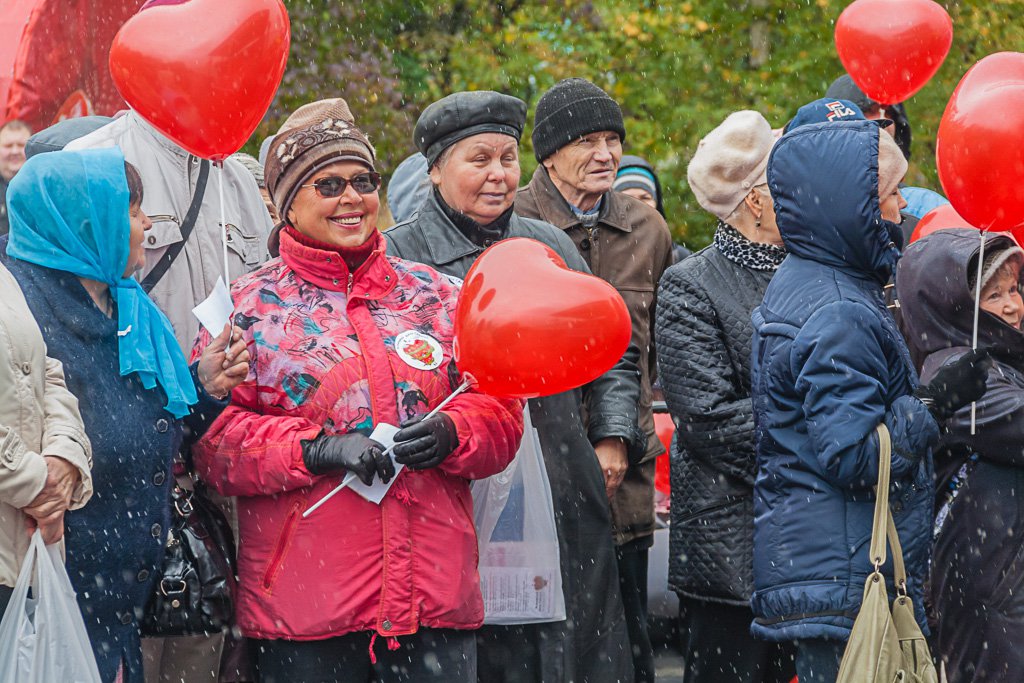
527,326
891,48
979,150
203,72
942,217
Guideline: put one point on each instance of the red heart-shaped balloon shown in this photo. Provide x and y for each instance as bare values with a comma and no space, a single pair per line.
891,48
978,149
203,72
527,326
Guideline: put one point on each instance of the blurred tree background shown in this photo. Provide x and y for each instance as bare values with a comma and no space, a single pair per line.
676,68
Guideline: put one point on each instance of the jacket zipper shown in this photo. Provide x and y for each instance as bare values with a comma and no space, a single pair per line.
282,544
705,510
348,291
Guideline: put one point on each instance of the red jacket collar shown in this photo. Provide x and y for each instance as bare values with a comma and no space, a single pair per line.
325,268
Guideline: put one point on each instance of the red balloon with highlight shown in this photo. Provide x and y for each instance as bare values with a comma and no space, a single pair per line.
978,150
892,48
203,72
528,326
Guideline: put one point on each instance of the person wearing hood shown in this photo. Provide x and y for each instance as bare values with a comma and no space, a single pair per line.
977,582
828,366
920,200
703,338
471,142
408,188
77,234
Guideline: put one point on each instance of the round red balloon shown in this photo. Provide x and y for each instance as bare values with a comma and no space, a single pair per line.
528,326
978,150
891,48
940,218
203,72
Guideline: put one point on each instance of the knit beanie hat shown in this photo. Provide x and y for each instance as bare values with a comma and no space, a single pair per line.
635,178
995,259
316,135
730,161
569,110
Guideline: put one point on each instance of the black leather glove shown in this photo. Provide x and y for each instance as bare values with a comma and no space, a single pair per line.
426,443
353,452
957,384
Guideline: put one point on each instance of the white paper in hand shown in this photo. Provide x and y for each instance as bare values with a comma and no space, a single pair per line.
215,312
383,434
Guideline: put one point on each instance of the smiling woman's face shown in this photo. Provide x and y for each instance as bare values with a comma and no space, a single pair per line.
347,220
479,175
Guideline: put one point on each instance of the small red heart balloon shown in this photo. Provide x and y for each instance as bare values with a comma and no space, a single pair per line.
527,326
978,149
891,48
203,72
941,217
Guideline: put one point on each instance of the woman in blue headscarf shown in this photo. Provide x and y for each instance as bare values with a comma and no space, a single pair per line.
77,229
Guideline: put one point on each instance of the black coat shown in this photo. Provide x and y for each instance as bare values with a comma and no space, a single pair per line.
978,566
115,543
703,334
591,645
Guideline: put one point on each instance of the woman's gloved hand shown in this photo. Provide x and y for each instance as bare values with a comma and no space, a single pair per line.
426,443
957,384
353,452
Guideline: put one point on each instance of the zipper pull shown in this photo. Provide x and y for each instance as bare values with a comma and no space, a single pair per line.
349,291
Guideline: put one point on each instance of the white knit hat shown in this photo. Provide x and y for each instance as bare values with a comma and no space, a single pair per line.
730,161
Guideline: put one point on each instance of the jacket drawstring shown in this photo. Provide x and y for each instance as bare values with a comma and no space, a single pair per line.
392,642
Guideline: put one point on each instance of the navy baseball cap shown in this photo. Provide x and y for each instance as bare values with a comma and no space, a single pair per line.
828,110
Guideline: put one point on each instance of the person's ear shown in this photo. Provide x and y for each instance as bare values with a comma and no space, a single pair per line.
291,216
754,200
435,174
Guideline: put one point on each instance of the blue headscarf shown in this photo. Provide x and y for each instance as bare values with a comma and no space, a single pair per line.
69,212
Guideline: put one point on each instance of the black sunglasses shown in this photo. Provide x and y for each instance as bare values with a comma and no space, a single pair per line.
334,186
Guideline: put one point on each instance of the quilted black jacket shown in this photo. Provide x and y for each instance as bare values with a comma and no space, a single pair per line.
703,334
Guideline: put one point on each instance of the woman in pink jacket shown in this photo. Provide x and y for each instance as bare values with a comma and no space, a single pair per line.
343,338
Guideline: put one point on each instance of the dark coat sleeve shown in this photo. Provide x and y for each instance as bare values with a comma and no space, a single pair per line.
713,412
999,419
612,400
840,365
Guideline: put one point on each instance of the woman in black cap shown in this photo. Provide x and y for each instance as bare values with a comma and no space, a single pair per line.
471,142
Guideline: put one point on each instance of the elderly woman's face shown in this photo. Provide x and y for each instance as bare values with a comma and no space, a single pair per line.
347,220
479,176
1001,296
891,205
138,223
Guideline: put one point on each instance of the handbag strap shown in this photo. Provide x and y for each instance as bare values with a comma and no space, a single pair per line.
164,264
884,526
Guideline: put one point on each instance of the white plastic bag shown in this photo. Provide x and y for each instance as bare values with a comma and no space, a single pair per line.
520,574
43,638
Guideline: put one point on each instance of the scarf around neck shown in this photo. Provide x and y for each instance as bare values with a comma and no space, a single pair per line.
741,251
69,212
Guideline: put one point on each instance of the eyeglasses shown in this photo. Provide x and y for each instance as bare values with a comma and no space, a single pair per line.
335,186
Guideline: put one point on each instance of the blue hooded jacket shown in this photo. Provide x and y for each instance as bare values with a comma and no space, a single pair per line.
828,365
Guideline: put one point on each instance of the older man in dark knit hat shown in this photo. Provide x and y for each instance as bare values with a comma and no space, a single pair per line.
578,133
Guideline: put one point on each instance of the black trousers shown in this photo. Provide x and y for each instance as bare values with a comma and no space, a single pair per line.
632,560
428,656
717,646
5,597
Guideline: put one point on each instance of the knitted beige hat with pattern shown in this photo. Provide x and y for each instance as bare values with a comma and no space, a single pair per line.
316,135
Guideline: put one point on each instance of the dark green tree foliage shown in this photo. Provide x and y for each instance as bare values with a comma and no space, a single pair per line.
677,68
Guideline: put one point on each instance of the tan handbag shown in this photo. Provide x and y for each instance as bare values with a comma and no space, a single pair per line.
884,646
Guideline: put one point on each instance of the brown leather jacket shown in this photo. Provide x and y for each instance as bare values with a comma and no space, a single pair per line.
630,247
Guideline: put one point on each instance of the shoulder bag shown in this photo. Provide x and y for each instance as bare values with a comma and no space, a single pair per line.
886,646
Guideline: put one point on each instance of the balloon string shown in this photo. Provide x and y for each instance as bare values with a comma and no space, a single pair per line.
977,309
348,480
223,220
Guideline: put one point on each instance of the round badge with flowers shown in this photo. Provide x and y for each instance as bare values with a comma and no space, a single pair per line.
419,350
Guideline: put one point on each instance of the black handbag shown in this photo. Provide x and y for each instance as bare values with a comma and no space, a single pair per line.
196,589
